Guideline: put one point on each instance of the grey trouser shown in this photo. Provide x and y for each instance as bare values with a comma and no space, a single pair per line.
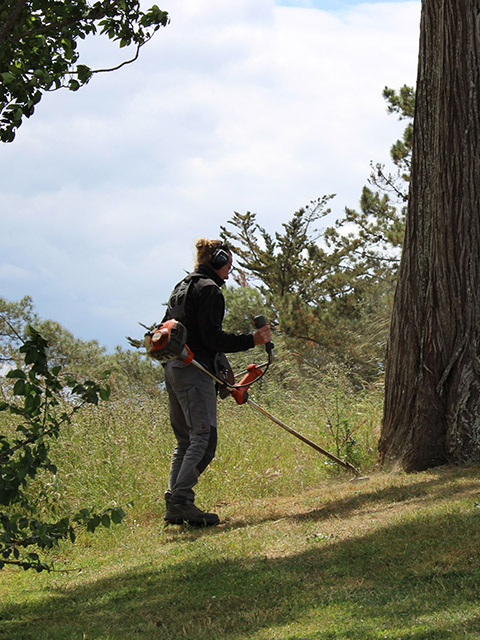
192,402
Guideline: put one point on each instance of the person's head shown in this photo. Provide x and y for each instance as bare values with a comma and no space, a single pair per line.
215,254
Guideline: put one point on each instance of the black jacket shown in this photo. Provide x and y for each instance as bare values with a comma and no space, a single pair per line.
202,314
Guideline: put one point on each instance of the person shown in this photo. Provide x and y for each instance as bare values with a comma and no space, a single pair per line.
198,303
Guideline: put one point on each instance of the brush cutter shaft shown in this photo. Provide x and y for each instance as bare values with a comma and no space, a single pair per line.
238,391
256,406
205,370
257,366
347,465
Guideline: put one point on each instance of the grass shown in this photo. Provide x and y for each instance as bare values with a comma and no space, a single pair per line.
394,557
119,452
302,553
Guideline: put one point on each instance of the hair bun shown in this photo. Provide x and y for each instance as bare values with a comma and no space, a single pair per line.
206,248
201,243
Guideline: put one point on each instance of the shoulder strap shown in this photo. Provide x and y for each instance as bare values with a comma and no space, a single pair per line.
178,298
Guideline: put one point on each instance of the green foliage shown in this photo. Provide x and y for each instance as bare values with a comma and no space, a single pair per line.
330,292
39,47
40,403
132,373
288,263
129,371
403,104
374,239
315,285
242,304
379,226
294,274
14,317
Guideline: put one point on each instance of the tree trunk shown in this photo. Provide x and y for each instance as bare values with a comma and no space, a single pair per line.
432,397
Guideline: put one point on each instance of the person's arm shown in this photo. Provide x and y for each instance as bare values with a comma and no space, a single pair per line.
210,319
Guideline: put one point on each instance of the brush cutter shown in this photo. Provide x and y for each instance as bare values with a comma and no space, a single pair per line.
168,341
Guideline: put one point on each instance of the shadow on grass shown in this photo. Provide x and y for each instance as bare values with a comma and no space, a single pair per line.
415,579
442,485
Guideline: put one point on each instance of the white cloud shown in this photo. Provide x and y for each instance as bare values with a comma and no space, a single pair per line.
234,106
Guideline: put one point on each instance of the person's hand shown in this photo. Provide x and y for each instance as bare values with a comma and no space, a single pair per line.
262,335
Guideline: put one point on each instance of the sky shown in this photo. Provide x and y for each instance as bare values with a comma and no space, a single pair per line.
251,105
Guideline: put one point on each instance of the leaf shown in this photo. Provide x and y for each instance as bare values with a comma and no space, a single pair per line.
19,388
16,373
84,73
105,393
82,515
31,355
93,523
117,515
31,402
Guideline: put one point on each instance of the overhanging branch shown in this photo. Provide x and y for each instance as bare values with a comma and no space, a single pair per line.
6,27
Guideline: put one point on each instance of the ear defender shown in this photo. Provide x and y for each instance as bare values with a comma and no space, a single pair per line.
220,257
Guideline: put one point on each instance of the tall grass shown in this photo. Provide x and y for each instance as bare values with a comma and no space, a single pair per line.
119,452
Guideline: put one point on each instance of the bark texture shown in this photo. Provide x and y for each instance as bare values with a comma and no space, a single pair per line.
432,398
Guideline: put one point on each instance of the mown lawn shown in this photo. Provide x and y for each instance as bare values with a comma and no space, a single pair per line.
397,557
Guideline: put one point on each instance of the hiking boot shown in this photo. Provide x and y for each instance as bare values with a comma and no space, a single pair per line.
179,513
169,499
